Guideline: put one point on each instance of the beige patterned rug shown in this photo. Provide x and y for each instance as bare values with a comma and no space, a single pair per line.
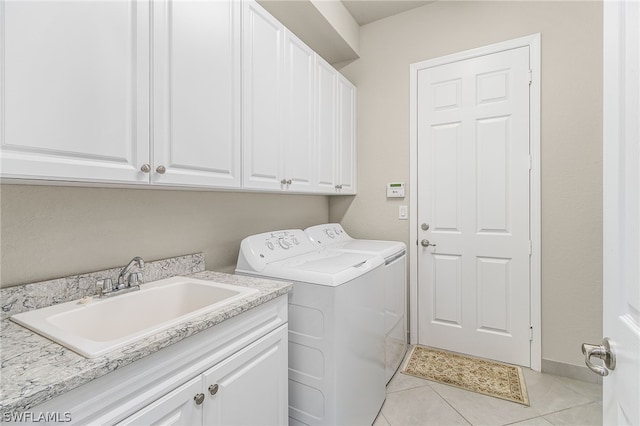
475,374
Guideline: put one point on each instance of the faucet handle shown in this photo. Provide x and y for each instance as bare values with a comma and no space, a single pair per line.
135,278
105,285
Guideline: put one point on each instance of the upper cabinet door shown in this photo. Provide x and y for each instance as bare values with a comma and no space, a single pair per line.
196,93
262,75
346,161
326,130
299,111
75,90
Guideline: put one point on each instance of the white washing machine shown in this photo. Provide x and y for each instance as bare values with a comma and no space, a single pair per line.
336,326
332,236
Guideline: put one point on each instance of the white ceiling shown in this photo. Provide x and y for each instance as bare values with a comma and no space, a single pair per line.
367,11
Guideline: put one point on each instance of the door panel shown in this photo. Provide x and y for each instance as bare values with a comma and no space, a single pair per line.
197,93
175,408
251,385
346,177
621,210
75,90
300,100
473,177
263,63
326,125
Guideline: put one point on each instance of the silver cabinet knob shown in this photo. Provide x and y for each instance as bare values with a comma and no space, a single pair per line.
145,168
213,389
426,243
424,226
603,352
161,170
199,398
283,182
289,181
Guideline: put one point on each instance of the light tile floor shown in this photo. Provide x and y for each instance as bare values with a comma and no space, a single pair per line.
554,401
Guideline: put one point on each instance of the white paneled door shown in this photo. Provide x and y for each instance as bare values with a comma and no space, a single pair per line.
621,213
473,206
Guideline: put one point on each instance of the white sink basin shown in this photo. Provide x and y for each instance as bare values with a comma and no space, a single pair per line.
104,324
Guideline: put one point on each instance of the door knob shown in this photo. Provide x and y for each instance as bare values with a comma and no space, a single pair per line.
199,398
161,169
145,168
603,352
424,226
426,243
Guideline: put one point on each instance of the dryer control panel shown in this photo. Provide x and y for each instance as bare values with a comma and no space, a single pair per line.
327,234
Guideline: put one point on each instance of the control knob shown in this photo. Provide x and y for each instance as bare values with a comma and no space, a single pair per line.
284,243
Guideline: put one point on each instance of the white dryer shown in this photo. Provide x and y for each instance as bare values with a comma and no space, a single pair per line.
336,326
333,237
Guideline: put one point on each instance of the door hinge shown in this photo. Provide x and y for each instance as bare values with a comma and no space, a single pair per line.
530,247
531,333
530,162
530,77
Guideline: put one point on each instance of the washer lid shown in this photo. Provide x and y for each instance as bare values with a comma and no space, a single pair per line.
331,268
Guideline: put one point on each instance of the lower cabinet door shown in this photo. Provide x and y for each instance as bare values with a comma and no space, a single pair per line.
251,386
182,406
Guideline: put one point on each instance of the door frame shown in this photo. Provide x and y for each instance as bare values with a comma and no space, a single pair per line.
533,42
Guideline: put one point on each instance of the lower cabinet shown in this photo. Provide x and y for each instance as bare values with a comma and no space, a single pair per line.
247,388
234,373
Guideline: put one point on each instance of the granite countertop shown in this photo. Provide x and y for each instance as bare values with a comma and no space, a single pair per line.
34,369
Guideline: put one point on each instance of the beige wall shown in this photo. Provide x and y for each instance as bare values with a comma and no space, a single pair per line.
49,232
571,35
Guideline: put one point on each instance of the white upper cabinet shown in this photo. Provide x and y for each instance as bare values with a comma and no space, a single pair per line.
326,126
75,90
174,93
262,98
196,87
335,158
346,139
299,101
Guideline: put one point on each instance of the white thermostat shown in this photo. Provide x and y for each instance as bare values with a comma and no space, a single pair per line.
395,190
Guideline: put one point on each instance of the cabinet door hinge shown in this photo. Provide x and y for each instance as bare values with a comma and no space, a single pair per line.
530,77
531,333
530,247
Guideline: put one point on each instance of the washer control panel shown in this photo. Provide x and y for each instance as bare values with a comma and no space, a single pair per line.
277,245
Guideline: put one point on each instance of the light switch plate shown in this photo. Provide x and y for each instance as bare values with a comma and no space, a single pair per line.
403,212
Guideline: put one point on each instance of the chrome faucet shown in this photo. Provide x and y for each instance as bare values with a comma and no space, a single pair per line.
132,278
127,280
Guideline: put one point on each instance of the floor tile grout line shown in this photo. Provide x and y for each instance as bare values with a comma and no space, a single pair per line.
449,404
540,416
569,408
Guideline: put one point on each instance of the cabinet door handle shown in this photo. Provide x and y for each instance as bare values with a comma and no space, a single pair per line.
161,169
199,398
213,389
145,168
